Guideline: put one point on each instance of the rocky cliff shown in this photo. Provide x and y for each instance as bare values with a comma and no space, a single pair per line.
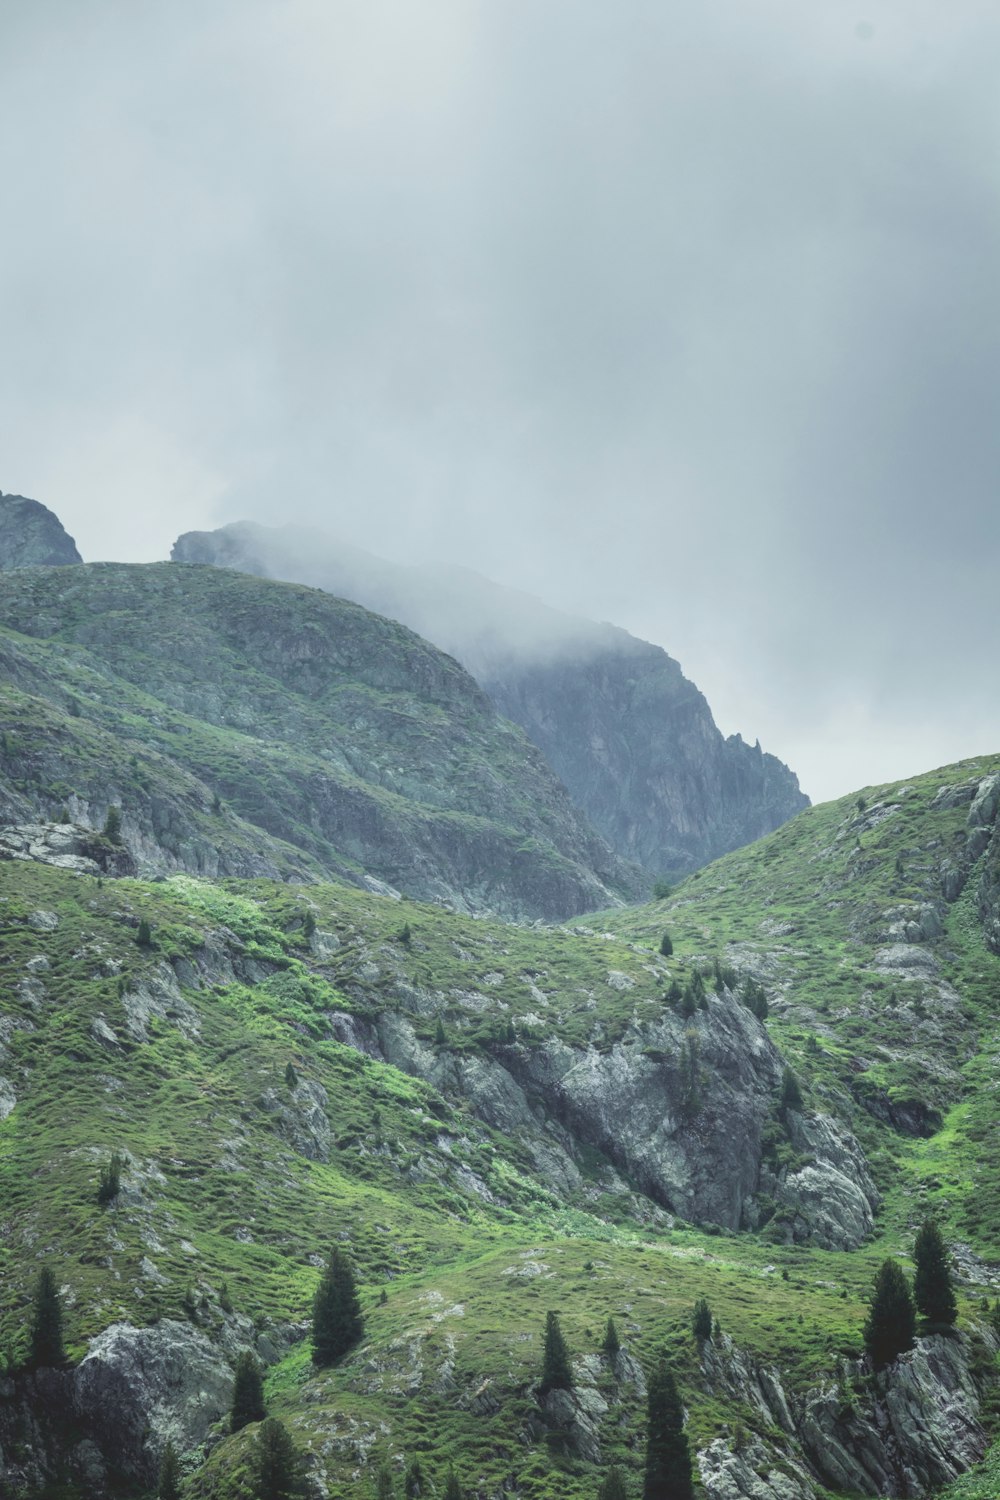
31,536
631,738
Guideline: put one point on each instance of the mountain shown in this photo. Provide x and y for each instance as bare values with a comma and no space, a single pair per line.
249,727
630,737
495,1122
31,536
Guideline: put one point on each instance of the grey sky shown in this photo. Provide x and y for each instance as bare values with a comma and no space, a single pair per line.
684,316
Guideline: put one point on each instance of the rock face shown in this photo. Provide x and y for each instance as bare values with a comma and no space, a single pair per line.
680,1106
275,730
31,536
904,1433
630,737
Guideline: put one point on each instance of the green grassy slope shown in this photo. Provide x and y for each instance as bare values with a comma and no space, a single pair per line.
177,1055
870,922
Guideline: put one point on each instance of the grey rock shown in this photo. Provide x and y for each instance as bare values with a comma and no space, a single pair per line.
574,1417
752,1474
138,1387
8,1098
833,1197
301,1118
32,536
916,1429
983,811
157,994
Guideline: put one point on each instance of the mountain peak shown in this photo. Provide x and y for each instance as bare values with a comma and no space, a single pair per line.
32,536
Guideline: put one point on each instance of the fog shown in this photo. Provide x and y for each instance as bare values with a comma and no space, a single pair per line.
683,317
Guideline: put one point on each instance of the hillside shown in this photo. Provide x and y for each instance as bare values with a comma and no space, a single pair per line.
630,737
247,727
499,1121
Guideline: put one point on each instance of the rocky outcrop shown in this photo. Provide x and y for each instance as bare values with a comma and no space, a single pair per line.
679,1106
905,1432
910,1430
106,1423
630,737
31,536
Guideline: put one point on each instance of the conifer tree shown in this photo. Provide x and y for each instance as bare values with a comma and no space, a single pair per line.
613,1485
276,1462
666,946
932,1289
452,1488
385,1485
413,1480
701,1320
169,1483
668,1457
47,1349
248,1393
337,1320
612,1343
891,1324
556,1372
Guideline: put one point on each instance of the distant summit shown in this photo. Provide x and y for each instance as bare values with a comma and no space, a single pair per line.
630,737
31,536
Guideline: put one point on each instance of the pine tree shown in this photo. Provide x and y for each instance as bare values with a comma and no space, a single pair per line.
337,1320
666,946
613,1486
169,1483
113,825
144,935
276,1463
385,1485
701,1320
452,1488
413,1481
668,1457
248,1394
891,1324
612,1343
47,1350
556,1372
932,1289
110,1179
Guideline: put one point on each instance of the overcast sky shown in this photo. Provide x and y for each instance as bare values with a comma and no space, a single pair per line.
685,316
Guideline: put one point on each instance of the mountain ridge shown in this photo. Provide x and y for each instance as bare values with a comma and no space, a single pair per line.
630,737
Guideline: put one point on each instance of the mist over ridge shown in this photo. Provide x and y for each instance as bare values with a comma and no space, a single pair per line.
631,738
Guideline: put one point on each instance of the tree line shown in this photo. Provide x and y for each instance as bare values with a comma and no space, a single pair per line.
338,1324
